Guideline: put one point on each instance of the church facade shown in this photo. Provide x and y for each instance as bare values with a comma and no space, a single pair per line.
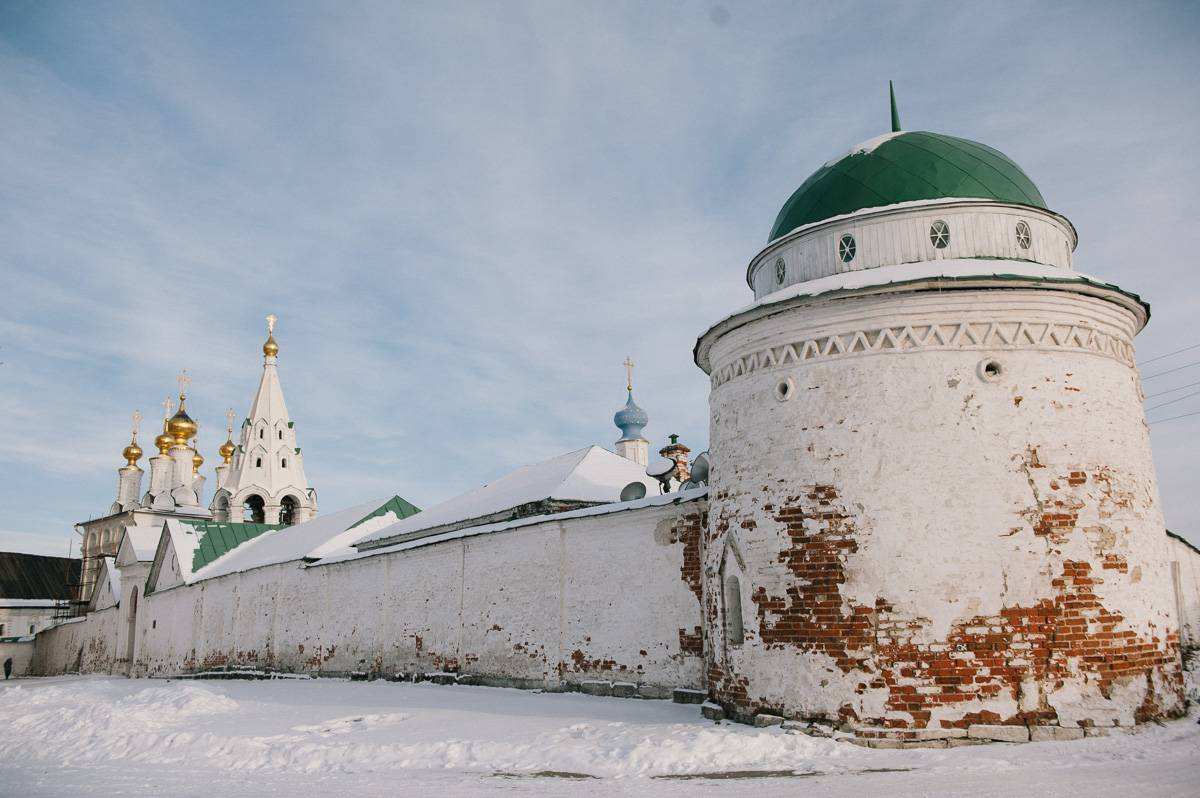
928,510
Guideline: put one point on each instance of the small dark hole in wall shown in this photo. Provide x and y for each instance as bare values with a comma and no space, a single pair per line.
154,624
992,369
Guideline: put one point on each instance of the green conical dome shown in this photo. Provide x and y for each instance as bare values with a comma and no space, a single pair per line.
901,167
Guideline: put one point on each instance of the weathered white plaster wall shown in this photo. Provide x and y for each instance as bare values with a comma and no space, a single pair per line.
900,234
595,597
20,652
925,544
1185,573
83,645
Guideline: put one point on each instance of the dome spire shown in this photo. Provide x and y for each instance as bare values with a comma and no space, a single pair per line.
270,348
133,452
180,426
631,419
164,441
227,448
895,113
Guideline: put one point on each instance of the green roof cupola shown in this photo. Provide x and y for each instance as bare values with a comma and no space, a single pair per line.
905,166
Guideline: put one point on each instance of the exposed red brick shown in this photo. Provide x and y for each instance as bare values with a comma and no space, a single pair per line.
1064,635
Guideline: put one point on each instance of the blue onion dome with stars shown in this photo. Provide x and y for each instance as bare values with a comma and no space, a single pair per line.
631,420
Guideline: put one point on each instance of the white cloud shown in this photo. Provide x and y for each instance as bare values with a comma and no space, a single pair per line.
466,216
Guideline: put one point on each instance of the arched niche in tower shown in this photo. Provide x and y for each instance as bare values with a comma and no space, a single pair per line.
253,509
288,508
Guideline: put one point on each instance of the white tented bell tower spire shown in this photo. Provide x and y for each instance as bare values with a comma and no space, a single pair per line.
266,481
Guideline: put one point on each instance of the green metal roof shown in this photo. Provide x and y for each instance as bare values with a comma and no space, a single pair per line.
903,168
217,539
401,507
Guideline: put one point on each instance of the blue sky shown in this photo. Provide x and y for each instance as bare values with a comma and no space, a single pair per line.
466,215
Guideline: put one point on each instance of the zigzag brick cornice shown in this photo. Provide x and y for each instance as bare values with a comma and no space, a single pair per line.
966,335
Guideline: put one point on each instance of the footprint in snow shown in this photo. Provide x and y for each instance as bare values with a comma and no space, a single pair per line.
352,723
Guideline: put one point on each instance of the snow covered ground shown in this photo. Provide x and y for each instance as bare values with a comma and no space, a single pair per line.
94,735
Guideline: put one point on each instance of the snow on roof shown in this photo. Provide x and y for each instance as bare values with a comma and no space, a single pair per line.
880,277
898,206
868,146
143,540
678,497
906,272
307,540
30,603
184,541
591,474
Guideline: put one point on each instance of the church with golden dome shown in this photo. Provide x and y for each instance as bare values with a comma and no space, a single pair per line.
259,480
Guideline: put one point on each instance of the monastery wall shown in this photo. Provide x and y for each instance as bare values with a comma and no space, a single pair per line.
613,596
81,645
20,652
1185,573
911,540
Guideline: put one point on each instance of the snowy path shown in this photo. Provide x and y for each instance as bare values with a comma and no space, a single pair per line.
71,736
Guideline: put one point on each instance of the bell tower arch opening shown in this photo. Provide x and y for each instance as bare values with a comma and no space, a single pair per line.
254,509
287,510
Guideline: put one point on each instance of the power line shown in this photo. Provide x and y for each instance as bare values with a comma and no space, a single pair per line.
1168,354
1172,371
1172,418
1172,390
1173,401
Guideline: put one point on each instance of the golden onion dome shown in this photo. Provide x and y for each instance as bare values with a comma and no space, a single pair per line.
164,441
226,451
197,461
132,453
180,426
270,348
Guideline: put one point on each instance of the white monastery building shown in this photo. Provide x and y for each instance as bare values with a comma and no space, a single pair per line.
928,511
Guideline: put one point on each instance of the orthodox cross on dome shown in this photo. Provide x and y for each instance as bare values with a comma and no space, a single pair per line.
168,405
628,364
137,420
271,319
229,414
184,381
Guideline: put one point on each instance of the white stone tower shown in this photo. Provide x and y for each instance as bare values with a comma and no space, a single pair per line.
265,479
933,504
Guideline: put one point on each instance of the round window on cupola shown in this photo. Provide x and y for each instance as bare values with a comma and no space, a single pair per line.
939,234
1024,237
780,270
847,248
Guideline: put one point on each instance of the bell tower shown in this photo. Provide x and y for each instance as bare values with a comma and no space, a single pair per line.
264,481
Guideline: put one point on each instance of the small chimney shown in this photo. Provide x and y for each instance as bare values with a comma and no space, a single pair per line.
678,454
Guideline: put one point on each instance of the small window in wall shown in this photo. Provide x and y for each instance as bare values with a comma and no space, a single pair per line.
780,270
260,434
939,234
31,628
258,462
847,248
283,463
1024,237
280,434
735,633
